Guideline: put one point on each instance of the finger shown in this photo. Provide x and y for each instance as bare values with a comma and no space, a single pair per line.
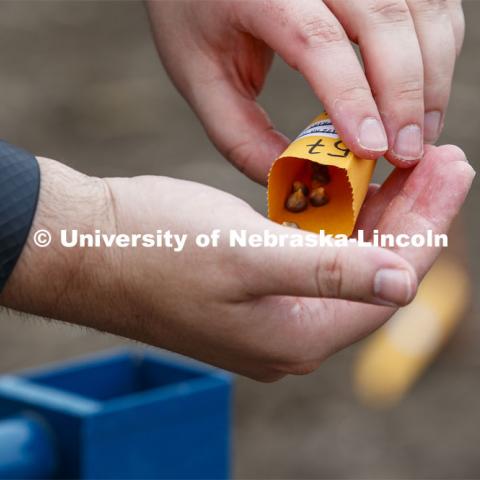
437,43
430,198
221,92
313,42
376,204
458,22
238,127
366,214
303,332
388,42
352,272
372,190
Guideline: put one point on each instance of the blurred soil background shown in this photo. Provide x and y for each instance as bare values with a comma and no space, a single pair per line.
81,82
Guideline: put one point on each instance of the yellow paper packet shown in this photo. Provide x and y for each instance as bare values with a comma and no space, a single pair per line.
350,177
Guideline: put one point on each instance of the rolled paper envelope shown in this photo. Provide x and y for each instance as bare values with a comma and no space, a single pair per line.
346,188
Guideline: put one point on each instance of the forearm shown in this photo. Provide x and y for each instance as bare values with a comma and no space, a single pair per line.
65,283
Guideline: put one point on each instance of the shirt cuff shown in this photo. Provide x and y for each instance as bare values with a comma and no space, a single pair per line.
19,190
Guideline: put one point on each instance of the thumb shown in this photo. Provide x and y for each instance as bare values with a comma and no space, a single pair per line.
365,274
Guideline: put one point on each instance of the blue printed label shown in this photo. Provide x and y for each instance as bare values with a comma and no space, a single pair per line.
320,128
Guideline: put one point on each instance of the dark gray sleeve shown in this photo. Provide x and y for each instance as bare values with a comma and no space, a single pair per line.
19,189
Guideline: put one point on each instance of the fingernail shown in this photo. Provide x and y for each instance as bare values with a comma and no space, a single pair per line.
431,126
393,287
372,136
409,143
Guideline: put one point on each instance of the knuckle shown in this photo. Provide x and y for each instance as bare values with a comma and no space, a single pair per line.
427,6
409,90
243,270
437,87
434,11
353,93
240,155
328,275
320,32
388,11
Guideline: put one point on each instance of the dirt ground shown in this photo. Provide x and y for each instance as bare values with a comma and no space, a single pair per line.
81,82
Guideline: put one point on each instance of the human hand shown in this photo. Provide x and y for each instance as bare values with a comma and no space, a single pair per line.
262,312
219,53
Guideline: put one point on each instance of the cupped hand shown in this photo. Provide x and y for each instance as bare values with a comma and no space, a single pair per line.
267,312
218,54
263,312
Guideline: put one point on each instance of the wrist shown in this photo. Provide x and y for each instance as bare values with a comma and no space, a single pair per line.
55,281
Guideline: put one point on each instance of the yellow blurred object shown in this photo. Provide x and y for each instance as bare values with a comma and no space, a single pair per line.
396,355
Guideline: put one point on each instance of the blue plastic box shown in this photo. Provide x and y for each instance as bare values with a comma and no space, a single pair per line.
126,414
